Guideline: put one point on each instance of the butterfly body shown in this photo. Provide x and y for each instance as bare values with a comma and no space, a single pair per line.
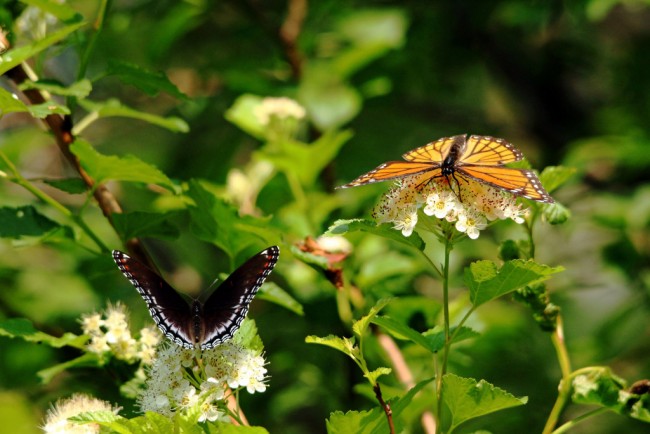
477,158
200,325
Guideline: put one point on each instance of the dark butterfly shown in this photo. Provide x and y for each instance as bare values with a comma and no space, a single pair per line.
201,325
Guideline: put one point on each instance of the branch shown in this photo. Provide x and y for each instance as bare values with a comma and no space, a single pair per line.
289,32
386,407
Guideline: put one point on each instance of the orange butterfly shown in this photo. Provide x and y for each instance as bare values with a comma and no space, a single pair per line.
479,158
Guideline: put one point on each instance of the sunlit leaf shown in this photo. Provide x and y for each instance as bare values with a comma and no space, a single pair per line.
45,109
109,167
24,329
372,376
344,345
241,113
465,399
600,386
341,227
553,177
359,327
60,10
9,103
354,422
16,56
486,282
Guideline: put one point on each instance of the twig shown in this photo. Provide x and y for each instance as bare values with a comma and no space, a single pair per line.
386,407
404,375
289,32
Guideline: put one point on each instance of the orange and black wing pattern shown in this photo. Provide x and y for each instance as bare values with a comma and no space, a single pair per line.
393,170
434,152
483,160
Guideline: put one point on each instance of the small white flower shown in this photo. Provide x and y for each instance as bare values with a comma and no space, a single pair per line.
281,108
440,204
407,223
91,324
471,224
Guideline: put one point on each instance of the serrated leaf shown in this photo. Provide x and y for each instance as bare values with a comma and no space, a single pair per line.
600,386
60,10
486,282
45,109
16,56
436,336
109,167
341,227
79,89
355,422
69,185
113,108
344,345
552,177
373,375
24,221
87,360
148,81
247,336
465,399
10,104
140,224
215,221
359,327
272,292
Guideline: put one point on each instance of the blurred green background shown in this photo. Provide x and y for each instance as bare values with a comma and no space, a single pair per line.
566,82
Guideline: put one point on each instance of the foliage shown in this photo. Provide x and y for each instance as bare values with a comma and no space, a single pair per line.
198,133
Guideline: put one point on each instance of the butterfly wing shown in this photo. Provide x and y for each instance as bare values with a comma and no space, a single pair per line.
520,182
392,170
434,152
226,308
168,309
488,151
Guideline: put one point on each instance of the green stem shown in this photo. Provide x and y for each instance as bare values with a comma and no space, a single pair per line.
445,304
20,180
104,6
567,426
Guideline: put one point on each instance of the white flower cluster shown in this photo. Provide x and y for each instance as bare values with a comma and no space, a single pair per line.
172,386
56,420
109,332
280,108
480,203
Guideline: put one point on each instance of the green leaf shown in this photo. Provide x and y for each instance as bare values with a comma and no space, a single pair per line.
79,89
215,221
60,10
9,103
229,428
341,227
24,221
272,292
24,329
87,360
553,177
317,261
145,224
359,327
108,167
16,56
600,386
465,399
306,160
344,345
247,335
241,113
45,109
373,375
486,282
69,185
355,422
147,81
402,331
113,108
436,336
